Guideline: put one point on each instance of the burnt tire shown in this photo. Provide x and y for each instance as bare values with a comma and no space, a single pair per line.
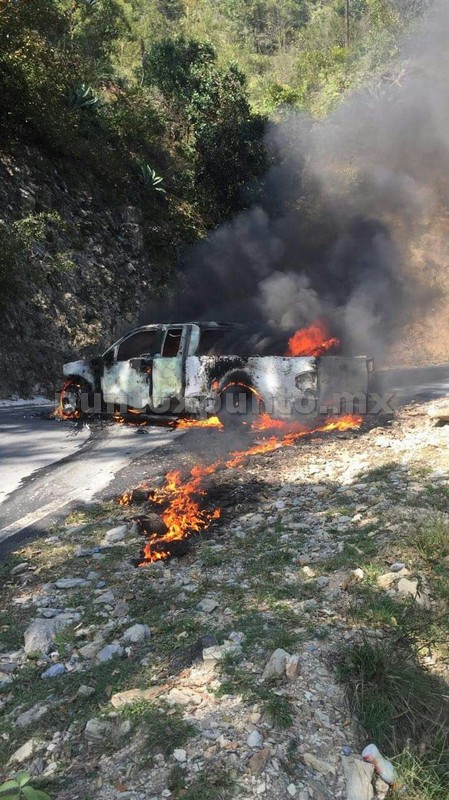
71,403
236,411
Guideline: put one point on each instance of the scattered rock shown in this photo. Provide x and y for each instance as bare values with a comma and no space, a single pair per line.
107,598
358,775
276,664
124,728
398,566
407,587
308,572
411,588
40,635
109,652
387,580
84,552
254,739
207,605
318,764
131,696
354,577
292,667
184,697
255,519
27,751
137,633
31,716
216,652
259,761
70,583
97,729
85,691
54,671
90,650
439,409
291,789
381,789
115,535
180,755
120,610
49,613
237,637
19,568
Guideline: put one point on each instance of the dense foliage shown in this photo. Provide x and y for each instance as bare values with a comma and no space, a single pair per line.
210,114
163,103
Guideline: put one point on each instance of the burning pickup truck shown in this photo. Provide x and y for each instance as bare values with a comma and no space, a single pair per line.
189,370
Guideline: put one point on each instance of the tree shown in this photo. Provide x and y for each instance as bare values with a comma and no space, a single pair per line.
270,25
95,27
172,9
211,113
35,73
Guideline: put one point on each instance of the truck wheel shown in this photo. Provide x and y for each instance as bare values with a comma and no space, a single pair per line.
236,411
70,400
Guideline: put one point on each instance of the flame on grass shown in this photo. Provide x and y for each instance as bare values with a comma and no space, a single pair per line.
181,499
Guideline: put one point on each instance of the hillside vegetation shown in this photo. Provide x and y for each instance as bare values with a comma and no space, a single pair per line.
129,128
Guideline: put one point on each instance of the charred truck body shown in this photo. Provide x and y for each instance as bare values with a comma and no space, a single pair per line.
189,370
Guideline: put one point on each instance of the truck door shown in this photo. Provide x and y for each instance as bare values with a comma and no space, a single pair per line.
127,368
169,369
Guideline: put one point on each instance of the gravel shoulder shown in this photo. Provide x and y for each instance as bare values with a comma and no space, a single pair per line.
230,672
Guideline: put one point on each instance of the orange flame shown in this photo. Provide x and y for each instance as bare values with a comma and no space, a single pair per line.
183,514
342,423
117,418
266,423
311,341
59,412
211,422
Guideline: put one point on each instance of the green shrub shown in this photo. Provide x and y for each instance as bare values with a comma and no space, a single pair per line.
83,96
19,788
150,179
403,708
29,254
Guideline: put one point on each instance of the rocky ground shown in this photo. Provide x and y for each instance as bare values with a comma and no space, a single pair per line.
108,275
222,673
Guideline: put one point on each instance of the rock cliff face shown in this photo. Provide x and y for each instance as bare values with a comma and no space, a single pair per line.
111,273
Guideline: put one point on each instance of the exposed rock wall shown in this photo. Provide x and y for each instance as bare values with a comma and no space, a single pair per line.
79,310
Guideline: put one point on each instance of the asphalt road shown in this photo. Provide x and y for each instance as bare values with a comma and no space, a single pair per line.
30,440
415,383
47,466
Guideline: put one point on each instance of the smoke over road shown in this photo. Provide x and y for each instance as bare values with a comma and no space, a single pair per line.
343,213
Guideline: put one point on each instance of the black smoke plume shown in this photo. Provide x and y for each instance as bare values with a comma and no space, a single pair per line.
340,212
